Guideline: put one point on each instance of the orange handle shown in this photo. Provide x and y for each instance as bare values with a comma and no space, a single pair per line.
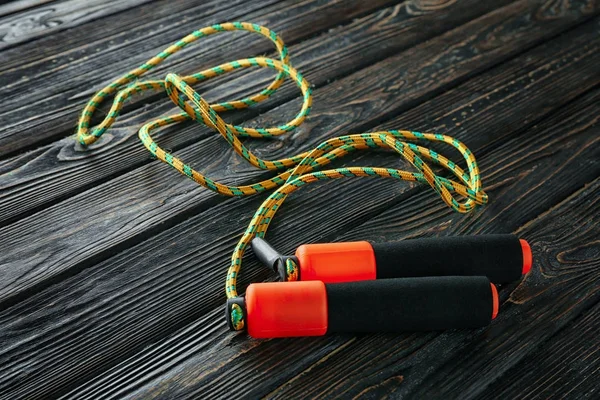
337,262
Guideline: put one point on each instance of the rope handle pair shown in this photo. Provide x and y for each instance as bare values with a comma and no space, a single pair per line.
295,171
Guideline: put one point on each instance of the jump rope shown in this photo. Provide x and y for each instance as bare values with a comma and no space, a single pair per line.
420,284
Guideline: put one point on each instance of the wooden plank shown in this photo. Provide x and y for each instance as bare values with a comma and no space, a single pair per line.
566,365
122,41
63,47
47,107
125,304
462,364
214,154
20,5
203,368
131,208
54,172
31,23
541,305
246,359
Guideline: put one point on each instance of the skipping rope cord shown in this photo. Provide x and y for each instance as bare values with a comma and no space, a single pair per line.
297,170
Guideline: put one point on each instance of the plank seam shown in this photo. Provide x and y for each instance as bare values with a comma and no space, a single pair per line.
248,114
591,304
159,96
483,152
214,200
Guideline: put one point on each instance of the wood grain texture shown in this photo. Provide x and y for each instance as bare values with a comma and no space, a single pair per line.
113,285
43,19
521,183
65,248
53,98
174,280
60,170
122,213
408,362
55,79
64,47
20,5
568,364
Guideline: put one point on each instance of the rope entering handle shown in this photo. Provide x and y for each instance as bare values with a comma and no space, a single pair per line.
297,170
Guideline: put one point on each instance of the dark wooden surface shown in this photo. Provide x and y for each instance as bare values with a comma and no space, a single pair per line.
112,266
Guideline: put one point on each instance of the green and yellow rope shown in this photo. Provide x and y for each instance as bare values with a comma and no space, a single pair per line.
297,170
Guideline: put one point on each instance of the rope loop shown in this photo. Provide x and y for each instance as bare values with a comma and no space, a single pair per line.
462,191
123,92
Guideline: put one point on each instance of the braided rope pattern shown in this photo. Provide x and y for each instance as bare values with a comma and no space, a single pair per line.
237,317
291,270
297,170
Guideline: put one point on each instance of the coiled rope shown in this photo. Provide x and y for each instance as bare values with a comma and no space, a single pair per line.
297,170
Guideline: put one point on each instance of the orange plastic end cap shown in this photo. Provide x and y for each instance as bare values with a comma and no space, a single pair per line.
527,257
286,309
495,301
337,262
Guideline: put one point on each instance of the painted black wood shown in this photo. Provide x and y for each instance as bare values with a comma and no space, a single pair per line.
421,215
370,97
26,20
112,282
57,171
55,98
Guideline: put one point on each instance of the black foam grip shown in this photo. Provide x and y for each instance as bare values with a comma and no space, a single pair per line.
499,257
409,304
